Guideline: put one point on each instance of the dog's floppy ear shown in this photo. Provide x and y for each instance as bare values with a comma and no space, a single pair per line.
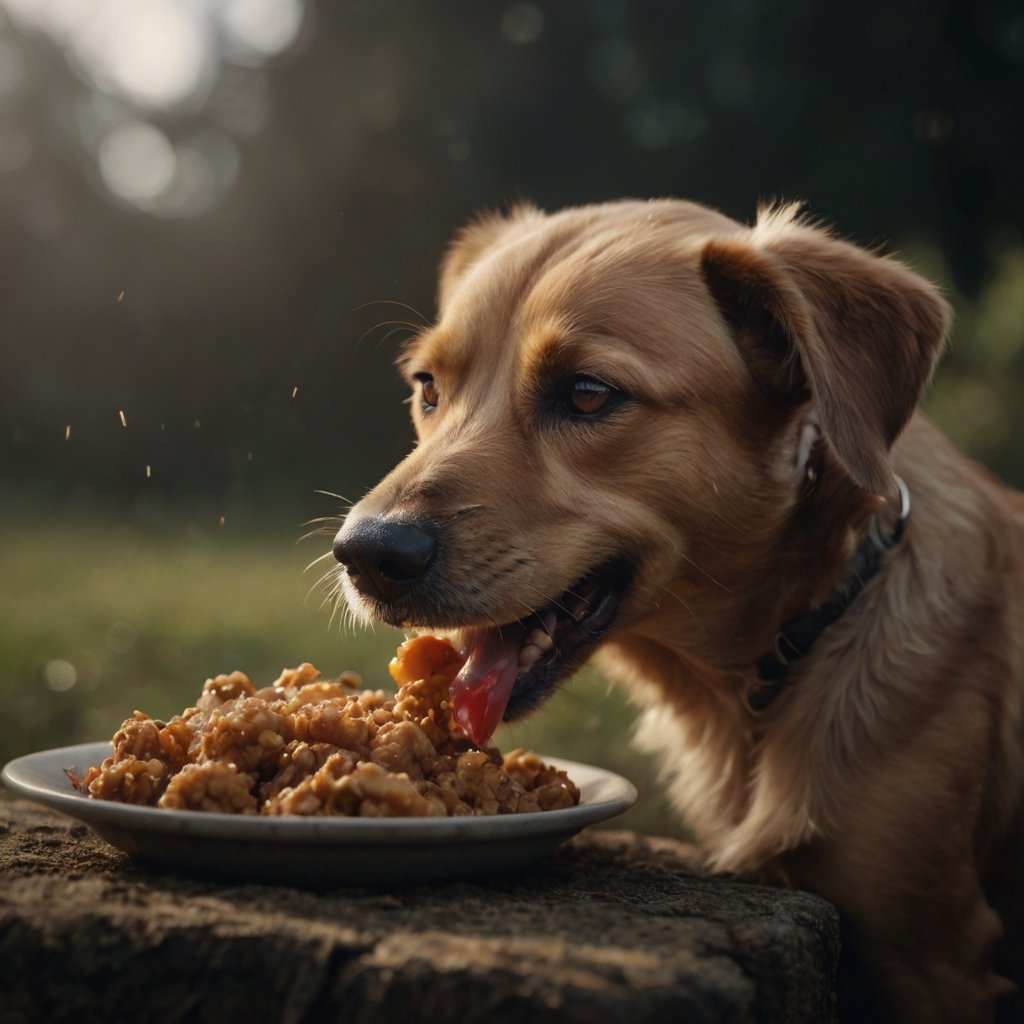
474,240
819,318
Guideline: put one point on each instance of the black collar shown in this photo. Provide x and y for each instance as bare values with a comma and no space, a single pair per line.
798,634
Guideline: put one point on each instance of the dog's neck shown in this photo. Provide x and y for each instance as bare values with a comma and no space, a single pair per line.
798,634
711,627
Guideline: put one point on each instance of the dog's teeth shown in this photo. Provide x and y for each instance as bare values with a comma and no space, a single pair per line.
540,638
529,655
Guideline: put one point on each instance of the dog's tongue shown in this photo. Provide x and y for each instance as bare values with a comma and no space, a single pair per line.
481,691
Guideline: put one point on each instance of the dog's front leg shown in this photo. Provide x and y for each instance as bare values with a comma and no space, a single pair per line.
915,918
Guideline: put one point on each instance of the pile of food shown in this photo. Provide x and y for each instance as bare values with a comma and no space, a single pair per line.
309,746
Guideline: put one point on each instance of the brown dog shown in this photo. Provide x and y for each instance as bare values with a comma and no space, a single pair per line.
688,447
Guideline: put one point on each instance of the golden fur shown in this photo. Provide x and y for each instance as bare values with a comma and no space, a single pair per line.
773,373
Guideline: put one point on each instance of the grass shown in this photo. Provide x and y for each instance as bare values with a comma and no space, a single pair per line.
99,617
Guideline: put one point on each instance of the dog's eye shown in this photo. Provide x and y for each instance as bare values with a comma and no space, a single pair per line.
587,396
429,396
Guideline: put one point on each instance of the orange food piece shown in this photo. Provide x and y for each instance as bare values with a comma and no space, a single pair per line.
425,657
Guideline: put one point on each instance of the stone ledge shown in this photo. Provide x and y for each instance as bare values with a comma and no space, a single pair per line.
612,927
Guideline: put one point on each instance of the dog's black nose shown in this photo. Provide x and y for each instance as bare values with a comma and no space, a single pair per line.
383,556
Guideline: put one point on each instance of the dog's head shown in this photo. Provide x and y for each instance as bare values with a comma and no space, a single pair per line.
618,411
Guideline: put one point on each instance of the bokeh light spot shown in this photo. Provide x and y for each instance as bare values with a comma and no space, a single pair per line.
121,637
59,17
60,675
662,124
137,162
615,68
522,23
262,27
154,53
459,149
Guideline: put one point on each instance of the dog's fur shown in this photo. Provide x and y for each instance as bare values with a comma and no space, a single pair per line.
770,376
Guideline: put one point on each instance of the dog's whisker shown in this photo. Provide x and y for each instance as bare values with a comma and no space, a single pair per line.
326,554
328,526
323,519
323,579
398,324
333,571
323,582
320,531
424,322
545,601
395,325
732,525
333,596
346,618
341,608
705,573
543,625
681,601
318,583
336,605
391,333
331,494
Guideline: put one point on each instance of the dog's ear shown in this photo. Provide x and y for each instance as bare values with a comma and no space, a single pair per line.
470,244
818,318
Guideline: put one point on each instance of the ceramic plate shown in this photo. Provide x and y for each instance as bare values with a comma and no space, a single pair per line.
322,851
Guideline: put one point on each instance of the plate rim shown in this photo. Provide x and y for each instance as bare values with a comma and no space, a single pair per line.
296,829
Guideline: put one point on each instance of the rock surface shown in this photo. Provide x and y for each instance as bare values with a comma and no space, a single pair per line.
613,927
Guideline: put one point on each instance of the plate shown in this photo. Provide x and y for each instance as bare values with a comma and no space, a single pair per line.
318,851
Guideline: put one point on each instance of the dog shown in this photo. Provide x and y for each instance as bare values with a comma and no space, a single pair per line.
690,449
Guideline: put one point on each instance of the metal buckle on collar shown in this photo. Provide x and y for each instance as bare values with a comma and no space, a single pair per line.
794,651
885,540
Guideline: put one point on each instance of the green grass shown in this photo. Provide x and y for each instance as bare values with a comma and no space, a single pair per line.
98,618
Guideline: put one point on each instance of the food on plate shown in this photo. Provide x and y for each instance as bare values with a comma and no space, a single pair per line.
311,746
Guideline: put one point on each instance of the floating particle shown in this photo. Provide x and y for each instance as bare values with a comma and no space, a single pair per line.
221,521
196,424
249,456
149,471
120,295
295,390
67,432
124,422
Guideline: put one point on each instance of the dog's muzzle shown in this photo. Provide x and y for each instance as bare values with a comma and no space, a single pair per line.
511,666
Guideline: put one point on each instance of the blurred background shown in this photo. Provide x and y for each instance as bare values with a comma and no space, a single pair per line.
219,218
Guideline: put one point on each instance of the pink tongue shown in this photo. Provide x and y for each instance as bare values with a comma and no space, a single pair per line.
481,691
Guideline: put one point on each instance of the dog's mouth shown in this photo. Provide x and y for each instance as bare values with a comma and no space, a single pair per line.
511,669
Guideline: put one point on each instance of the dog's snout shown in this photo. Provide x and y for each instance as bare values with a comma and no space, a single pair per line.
384,556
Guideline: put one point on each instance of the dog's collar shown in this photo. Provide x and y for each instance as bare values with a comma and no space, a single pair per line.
798,634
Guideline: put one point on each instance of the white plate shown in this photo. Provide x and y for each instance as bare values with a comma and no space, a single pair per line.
321,851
